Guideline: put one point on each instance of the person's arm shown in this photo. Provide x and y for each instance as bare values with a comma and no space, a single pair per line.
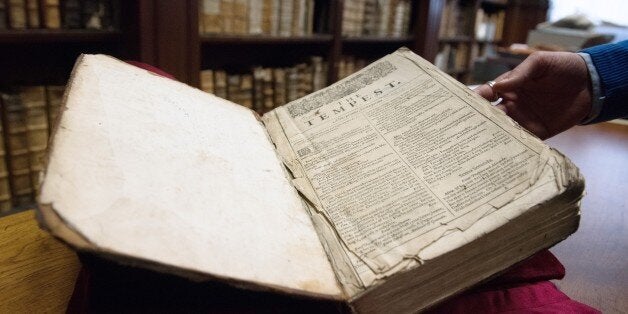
610,63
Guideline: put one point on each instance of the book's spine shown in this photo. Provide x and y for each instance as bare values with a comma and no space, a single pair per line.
309,24
211,18
256,17
370,17
258,89
267,16
384,13
6,203
279,81
92,15
246,91
275,19
292,84
226,11
52,15
207,81
407,10
298,18
54,97
318,78
240,17
346,18
233,87
285,19
71,14
34,101
499,25
267,90
220,84
304,86
3,15
32,13
17,145
17,14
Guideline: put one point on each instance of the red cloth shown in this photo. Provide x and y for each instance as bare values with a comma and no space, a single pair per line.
524,288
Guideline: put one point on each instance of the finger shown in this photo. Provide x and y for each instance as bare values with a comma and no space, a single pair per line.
486,92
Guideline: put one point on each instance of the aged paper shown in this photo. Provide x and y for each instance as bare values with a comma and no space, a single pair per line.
398,155
154,171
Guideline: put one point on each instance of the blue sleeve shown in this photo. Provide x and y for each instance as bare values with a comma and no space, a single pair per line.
611,64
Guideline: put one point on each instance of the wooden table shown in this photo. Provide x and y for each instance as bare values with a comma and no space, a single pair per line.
37,272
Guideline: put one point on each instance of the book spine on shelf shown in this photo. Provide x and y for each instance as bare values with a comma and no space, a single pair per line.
233,87
285,18
227,14
370,18
71,14
52,15
266,22
5,188
304,85
246,91
17,14
211,17
3,15
298,18
268,90
309,23
220,84
17,144
318,73
279,81
240,17
207,81
258,89
292,84
384,13
32,13
34,101
54,96
275,19
256,17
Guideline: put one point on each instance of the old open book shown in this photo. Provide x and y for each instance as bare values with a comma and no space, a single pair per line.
391,189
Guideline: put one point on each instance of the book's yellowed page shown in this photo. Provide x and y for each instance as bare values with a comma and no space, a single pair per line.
398,156
150,169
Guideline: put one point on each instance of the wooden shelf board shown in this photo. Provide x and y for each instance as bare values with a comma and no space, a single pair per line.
265,39
56,36
456,39
486,41
377,40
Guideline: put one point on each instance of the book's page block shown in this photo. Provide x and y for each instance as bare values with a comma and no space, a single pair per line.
150,169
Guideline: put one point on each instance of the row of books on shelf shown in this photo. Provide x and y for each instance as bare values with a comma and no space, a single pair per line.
58,14
460,18
457,19
489,27
265,88
452,57
27,114
376,18
257,17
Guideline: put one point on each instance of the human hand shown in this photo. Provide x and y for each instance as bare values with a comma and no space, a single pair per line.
549,92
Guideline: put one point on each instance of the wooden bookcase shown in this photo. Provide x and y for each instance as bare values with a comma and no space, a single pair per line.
166,34
519,16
